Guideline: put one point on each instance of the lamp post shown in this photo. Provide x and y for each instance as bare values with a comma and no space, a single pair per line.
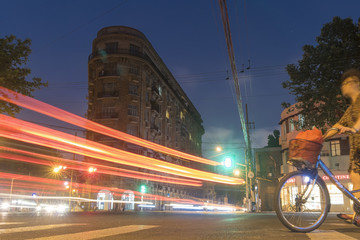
69,185
11,188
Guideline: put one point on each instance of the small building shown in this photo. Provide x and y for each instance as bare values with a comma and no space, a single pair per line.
335,154
268,162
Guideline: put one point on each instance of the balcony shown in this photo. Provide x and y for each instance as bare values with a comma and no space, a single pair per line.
154,130
155,106
155,90
108,73
154,127
105,52
107,115
108,94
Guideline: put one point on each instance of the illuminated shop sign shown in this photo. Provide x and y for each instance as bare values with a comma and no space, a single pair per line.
338,177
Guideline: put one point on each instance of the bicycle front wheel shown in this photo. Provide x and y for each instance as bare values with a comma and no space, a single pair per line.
302,201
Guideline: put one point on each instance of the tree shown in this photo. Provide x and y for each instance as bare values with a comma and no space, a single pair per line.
14,55
315,81
273,139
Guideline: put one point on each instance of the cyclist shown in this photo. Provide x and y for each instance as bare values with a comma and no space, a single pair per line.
350,122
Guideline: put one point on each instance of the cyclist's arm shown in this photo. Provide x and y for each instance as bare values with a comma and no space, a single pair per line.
332,132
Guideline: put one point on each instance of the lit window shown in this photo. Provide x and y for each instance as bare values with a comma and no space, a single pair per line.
292,125
182,115
167,114
301,121
335,148
336,196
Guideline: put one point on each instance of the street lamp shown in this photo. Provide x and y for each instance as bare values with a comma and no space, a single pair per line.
11,187
236,172
57,170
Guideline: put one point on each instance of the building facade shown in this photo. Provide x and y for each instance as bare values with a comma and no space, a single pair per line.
132,90
267,171
335,154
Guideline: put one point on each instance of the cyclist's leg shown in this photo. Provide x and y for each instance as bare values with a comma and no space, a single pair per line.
355,179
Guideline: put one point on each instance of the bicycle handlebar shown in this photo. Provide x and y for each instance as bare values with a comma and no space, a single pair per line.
337,130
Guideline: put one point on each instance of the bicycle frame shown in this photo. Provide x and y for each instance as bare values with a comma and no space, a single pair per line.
341,187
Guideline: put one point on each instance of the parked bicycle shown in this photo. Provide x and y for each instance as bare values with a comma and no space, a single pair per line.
302,199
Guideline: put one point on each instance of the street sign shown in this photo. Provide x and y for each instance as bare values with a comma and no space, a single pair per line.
251,174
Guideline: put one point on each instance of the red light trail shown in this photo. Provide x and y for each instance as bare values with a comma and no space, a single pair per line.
24,131
57,113
76,166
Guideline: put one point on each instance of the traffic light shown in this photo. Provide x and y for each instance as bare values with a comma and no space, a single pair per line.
228,162
143,188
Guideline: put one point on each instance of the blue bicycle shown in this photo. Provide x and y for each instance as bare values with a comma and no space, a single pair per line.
302,199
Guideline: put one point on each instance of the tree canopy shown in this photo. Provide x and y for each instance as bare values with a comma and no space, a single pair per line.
315,80
273,139
14,55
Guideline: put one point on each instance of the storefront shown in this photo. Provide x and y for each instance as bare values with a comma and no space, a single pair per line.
339,202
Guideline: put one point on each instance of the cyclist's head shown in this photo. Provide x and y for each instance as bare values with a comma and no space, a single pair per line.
351,73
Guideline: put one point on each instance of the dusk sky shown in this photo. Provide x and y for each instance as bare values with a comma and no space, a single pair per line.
189,37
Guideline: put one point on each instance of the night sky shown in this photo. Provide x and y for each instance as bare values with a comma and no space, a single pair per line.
189,37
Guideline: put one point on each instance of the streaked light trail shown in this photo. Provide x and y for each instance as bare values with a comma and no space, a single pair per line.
57,113
28,132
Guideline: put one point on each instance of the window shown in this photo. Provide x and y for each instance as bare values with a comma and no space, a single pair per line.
301,121
132,110
109,86
134,50
108,110
134,69
336,196
335,148
182,115
111,47
110,69
291,125
132,130
284,128
147,114
133,90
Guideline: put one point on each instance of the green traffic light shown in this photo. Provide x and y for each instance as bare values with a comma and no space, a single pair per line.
228,162
143,189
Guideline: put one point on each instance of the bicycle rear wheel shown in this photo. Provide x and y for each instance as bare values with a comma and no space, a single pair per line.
302,201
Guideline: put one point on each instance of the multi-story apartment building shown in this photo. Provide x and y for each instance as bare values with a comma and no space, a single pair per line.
335,154
132,90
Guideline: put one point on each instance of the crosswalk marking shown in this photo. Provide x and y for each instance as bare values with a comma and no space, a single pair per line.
98,233
35,228
328,235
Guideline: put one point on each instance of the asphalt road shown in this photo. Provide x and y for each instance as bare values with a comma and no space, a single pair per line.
163,225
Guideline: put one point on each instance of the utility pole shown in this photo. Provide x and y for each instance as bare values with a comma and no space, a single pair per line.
248,158
245,130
